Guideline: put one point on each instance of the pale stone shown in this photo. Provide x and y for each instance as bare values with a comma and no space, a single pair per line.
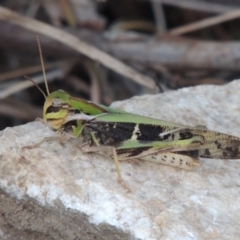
55,191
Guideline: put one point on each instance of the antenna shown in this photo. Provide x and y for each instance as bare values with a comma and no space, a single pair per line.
42,63
36,86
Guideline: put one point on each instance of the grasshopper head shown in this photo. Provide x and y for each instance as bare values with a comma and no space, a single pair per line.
56,108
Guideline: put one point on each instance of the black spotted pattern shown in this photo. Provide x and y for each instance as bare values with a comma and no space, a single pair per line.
111,133
150,132
132,152
185,135
219,145
216,145
191,153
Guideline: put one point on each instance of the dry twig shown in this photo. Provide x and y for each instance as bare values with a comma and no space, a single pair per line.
174,52
199,5
205,23
78,45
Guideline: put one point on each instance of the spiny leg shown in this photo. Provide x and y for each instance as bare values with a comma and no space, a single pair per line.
174,159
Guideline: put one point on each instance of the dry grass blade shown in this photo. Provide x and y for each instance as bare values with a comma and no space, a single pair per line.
16,87
159,16
78,45
28,70
58,70
199,5
66,8
95,89
205,23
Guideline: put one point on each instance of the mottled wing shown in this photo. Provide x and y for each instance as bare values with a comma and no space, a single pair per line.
216,145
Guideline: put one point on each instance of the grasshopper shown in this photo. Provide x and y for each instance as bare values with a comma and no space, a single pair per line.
125,136
128,136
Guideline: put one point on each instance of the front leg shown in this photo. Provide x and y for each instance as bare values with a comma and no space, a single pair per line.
60,138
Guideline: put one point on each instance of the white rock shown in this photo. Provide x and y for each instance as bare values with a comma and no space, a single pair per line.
58,191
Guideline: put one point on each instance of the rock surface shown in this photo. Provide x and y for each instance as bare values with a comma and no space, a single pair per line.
56,191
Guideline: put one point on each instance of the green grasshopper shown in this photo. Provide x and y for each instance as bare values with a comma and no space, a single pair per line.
130,136
126,136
